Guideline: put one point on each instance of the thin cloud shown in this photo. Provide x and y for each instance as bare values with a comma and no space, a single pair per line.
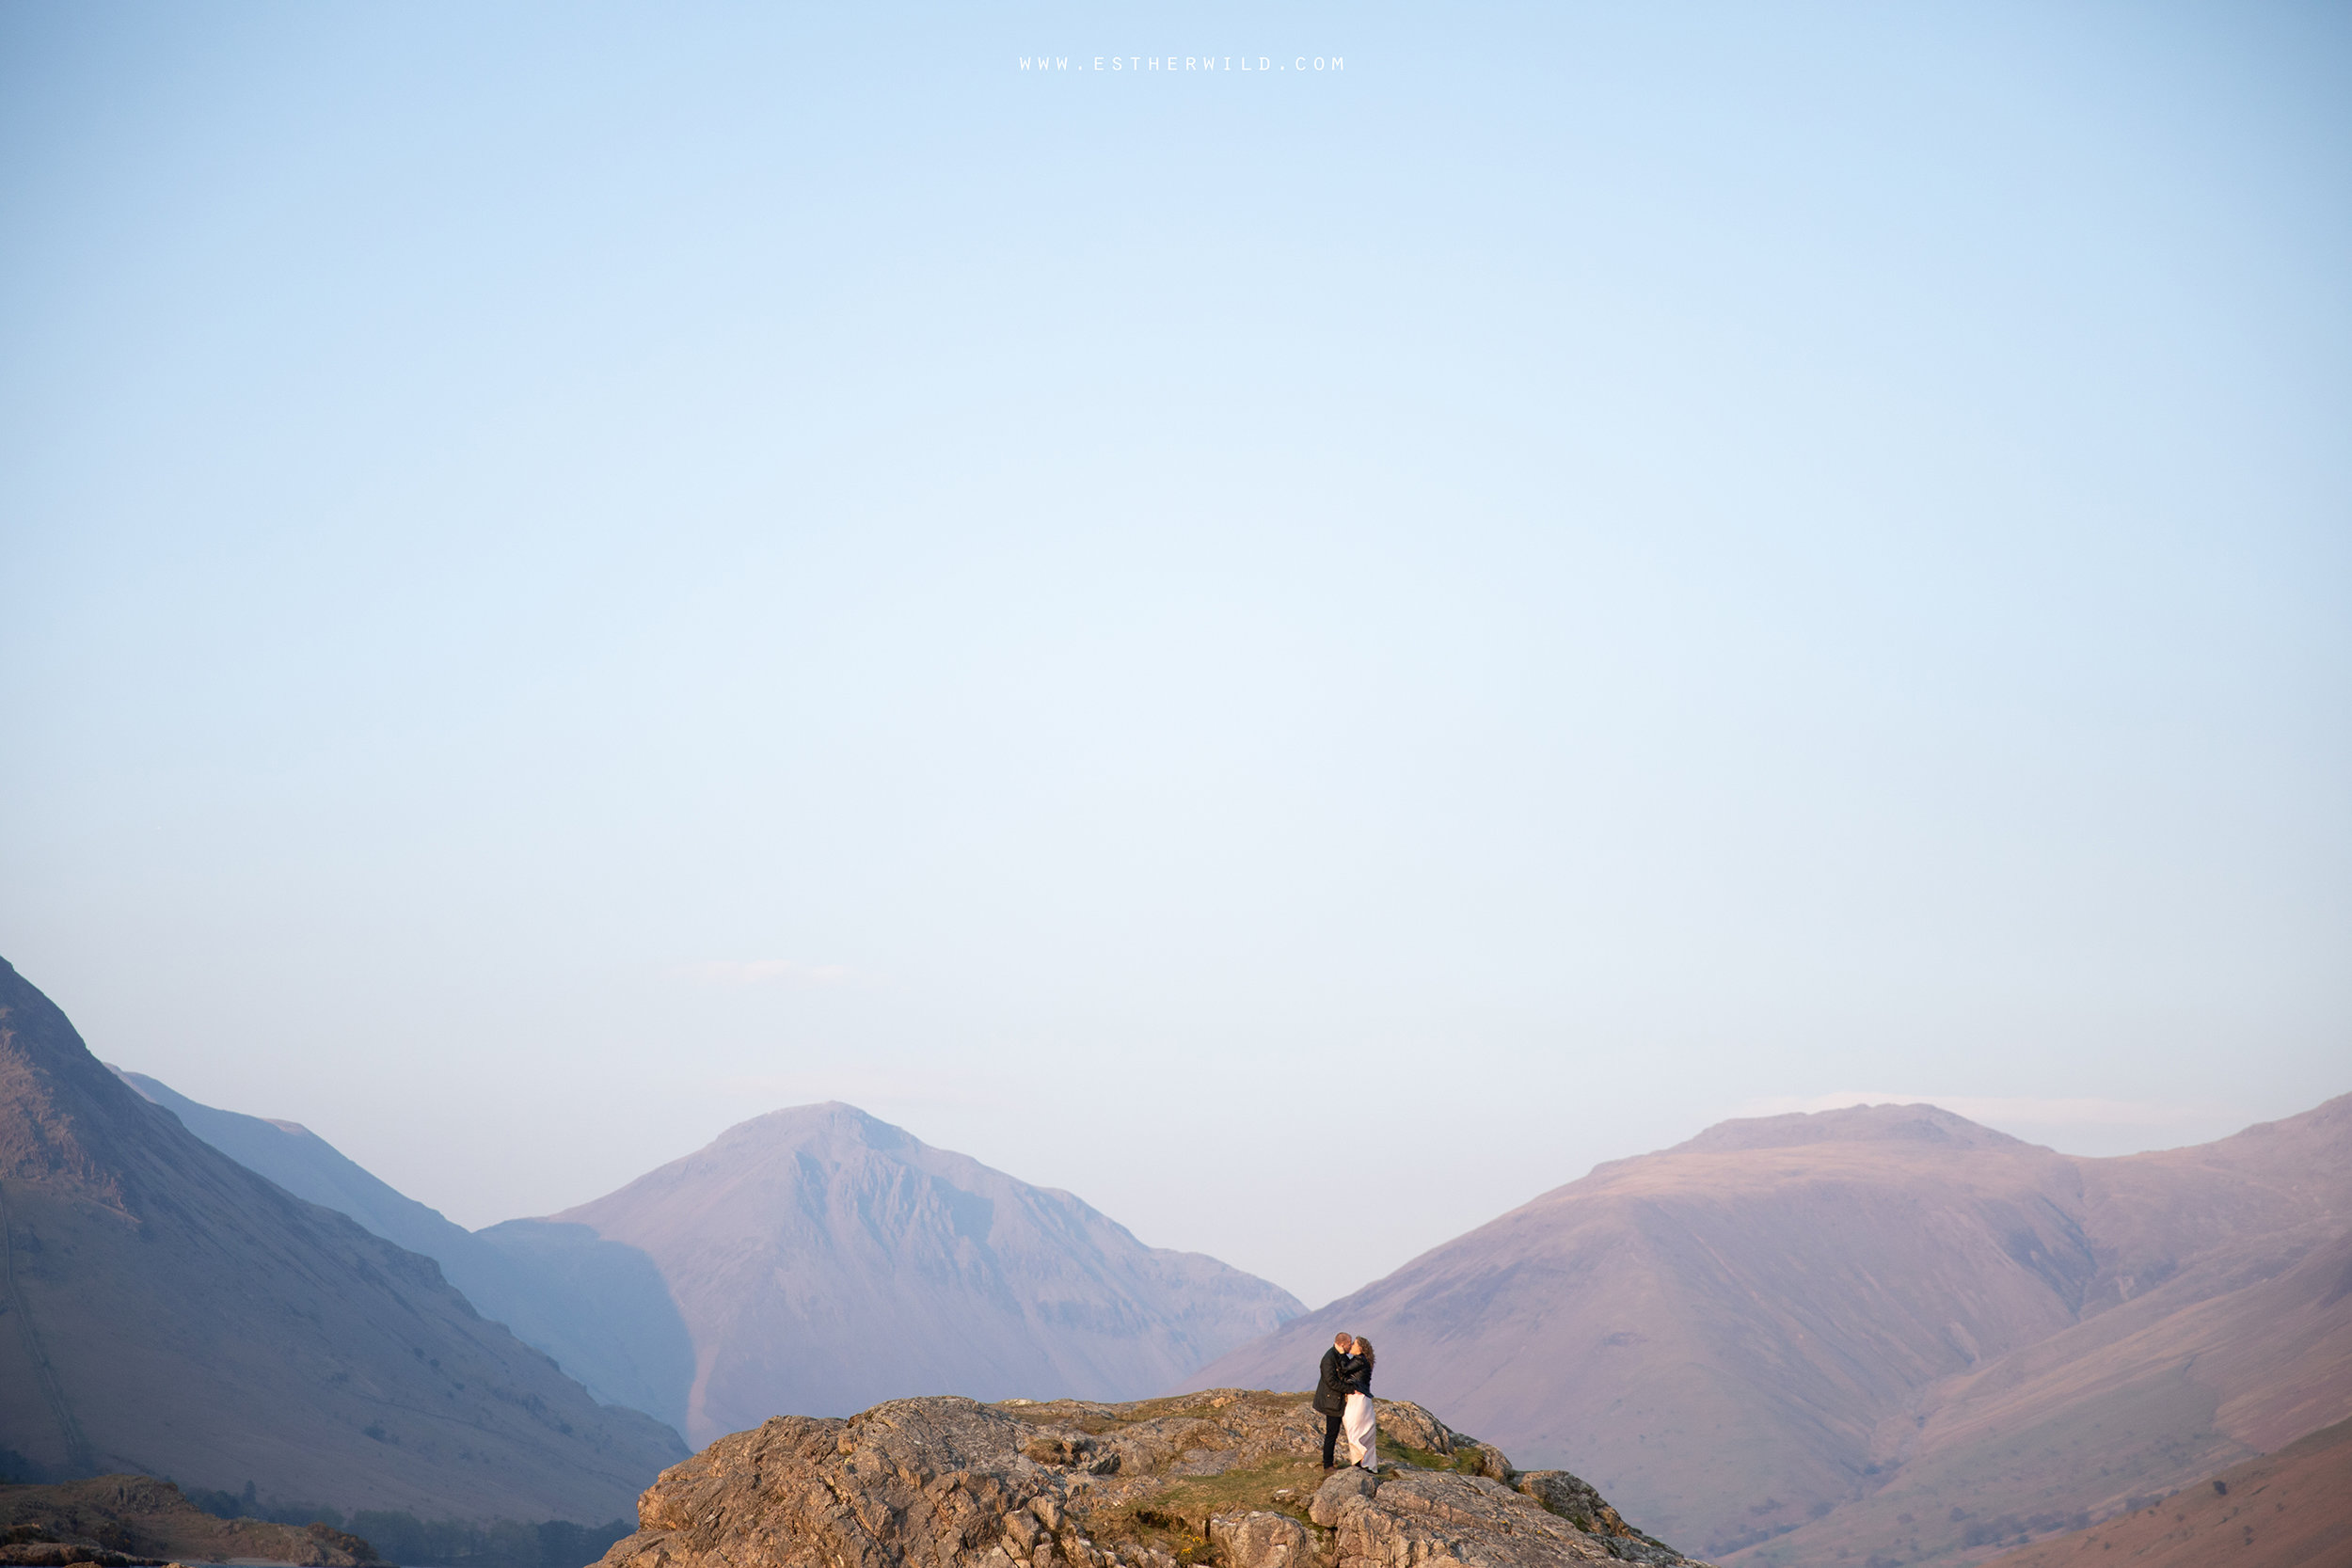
760,972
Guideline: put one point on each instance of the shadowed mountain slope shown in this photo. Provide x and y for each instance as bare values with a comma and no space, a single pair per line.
310,1167
1879,1315
823,1260
168,1310
602,1312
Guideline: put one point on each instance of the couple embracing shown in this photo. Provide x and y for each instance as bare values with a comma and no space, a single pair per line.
1344,1398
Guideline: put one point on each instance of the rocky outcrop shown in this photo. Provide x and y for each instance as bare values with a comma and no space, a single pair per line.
121,1521
1231,1478
1415,1517
68,1554
1572,1500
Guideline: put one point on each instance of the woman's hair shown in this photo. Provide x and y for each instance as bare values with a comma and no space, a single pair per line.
1364,1347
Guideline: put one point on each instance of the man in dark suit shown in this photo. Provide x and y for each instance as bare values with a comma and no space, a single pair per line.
1331,1393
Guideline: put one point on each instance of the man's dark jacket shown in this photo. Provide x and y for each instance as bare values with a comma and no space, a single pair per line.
1331,1388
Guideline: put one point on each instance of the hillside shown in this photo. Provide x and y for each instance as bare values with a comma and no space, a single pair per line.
2292,1509
173,1313
1807,1339
820,1260
310,1167
602,1313
141,1516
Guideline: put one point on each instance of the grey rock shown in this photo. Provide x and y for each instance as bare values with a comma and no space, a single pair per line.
1491,1462
1343,1486
1023,1529
1573,1499
1261,1539
1436,1519
1409,1425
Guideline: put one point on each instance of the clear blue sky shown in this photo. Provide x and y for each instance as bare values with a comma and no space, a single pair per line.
573,573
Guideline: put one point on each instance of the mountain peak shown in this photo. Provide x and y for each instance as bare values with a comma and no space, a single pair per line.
1918,1123
63,1118
827,1119
820,1258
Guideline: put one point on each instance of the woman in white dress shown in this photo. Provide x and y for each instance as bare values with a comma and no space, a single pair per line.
1362,1423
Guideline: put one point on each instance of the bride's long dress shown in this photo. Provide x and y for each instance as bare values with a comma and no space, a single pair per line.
1362,1425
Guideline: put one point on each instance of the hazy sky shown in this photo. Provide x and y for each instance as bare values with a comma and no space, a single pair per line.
1302,654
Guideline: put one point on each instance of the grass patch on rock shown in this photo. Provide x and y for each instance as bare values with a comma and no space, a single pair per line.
1466,1462
1178,1512
1100,1421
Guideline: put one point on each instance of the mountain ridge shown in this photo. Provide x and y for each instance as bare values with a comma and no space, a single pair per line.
173,1312
543,1308
892,1268
603,1307
1763,1336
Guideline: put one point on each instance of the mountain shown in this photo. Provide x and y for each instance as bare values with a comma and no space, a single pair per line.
2292,1509
310,1167
170,1312
1849,1336
602,1312
822,1261
1063,1294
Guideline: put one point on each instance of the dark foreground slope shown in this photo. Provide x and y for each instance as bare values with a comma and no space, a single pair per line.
142,1517
2292,1509
310,1167
1228,1478
822,1261
168,1311
1815,1337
